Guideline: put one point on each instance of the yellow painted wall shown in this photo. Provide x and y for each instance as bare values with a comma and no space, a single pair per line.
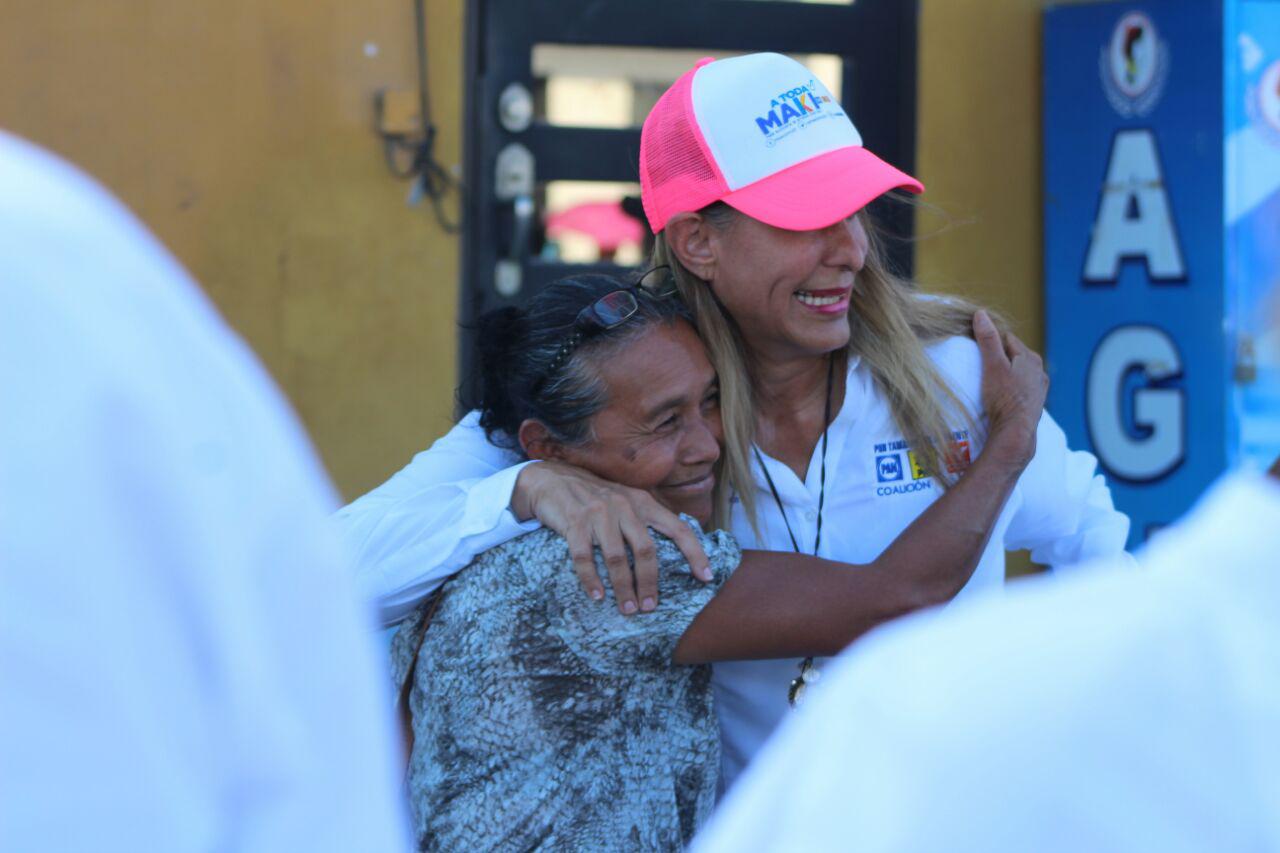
240,131
978,154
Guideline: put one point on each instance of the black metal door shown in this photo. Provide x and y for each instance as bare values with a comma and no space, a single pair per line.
511,152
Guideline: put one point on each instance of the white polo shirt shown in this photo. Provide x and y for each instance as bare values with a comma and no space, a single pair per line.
451,502
1060,509
1112,711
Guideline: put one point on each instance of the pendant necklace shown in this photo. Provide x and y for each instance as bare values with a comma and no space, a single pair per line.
808,673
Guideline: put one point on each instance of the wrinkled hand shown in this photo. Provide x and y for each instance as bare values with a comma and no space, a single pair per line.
1014,386
588,511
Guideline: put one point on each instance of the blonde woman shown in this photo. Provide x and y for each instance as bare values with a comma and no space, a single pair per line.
849,401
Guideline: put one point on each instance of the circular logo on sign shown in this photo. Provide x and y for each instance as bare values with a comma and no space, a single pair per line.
1134,65
1133,54
1268,97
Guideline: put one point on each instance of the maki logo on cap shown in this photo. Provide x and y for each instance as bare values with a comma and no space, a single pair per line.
794,109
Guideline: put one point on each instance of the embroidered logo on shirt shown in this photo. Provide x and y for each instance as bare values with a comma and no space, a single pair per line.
917,473
957,456
888,468
894,459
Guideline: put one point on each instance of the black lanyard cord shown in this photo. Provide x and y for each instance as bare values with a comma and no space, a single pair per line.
822,478
806,666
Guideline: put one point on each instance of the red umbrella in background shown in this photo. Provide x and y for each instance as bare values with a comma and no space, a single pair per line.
605,222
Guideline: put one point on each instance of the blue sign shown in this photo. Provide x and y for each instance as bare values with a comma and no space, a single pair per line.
1143,326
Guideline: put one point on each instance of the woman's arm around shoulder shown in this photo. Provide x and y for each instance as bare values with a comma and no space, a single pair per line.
785,605
431,518
597,630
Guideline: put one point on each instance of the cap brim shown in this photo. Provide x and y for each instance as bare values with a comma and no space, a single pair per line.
820,191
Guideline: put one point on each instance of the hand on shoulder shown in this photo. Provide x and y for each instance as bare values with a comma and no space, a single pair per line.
1014,386
590,512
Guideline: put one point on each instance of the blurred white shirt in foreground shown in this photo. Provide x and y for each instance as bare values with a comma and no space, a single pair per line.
182,664
1107,711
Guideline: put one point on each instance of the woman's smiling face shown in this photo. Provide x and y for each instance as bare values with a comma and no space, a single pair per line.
788,291
660,431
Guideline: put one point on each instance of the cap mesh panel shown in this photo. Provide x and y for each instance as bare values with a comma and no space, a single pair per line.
675,172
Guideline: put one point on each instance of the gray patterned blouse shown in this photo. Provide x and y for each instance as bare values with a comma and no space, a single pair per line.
544,720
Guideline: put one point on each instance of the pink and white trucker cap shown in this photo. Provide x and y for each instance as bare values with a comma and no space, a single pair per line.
762,134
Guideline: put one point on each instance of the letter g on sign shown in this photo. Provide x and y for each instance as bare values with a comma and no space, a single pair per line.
1151,442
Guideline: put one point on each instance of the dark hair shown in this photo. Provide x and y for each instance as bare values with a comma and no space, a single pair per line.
517,349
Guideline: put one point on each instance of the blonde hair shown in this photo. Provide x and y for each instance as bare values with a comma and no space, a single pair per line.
890,324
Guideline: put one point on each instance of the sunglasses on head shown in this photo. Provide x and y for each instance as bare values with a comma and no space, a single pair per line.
612,310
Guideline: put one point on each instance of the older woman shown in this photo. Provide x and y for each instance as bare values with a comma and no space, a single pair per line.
545,720
850,401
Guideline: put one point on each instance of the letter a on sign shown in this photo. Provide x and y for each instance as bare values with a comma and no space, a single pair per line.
1134,220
